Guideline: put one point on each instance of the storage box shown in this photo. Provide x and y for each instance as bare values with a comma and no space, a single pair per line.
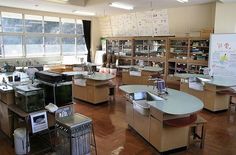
29,98
205,33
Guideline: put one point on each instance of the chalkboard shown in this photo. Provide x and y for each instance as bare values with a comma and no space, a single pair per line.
222,59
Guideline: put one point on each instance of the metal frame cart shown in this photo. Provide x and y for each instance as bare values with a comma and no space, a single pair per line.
76,135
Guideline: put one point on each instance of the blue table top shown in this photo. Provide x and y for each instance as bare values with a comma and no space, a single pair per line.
175,103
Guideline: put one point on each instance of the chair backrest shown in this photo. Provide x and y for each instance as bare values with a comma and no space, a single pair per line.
64,111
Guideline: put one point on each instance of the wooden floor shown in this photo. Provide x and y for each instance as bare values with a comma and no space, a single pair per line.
113,136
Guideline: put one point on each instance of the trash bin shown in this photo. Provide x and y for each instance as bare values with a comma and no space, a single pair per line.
20,141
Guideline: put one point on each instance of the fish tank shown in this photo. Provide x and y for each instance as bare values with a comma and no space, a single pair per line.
59,94
29,98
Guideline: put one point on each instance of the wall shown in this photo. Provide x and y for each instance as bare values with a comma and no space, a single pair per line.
47,60
225,20
191,19
182,20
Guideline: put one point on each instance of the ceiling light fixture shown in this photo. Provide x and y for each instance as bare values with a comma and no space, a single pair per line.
59,1
182,1
85,13
121,6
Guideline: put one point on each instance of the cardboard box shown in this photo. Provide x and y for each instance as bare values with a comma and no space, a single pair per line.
205,33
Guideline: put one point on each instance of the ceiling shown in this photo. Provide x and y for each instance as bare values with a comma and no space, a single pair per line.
100,7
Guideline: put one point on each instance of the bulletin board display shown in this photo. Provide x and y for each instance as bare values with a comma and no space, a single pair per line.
148,23
222,59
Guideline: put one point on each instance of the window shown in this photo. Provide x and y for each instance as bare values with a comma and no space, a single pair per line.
79,27
68,26
51,25
33,23
68,46
52,45
81,46
12,46
1,52
34,46
12,22
25,35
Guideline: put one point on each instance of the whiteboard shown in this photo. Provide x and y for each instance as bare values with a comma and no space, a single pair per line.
222,59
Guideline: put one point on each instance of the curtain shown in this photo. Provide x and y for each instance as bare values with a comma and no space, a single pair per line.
87,37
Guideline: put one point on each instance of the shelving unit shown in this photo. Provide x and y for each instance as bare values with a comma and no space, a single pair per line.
122,47
186,55
174,54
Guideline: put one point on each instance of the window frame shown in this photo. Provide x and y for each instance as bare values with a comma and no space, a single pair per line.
24,35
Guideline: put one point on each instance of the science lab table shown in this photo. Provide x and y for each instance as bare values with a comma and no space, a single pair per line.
211,94
165,122
140,76
92,88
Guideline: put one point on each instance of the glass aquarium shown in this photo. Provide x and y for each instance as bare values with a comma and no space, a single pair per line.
29,98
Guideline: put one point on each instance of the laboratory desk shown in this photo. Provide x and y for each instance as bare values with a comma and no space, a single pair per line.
164,121
140,76
7,97
92,88
211,94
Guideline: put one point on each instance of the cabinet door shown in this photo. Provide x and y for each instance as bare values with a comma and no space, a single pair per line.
5,120
129,114
155,133
141,124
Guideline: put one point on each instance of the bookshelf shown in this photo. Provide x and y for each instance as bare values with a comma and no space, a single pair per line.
173,54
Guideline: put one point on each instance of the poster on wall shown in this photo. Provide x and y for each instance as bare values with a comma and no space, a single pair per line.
222,60
117,25
160,22
130,25
148,23
145,23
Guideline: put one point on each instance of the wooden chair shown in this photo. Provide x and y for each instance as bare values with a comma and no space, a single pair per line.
193,131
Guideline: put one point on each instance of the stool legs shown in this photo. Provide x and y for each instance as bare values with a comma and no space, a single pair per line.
201,137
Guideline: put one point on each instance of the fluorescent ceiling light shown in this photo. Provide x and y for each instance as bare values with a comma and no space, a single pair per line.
121,6
59,1
182,1
84,13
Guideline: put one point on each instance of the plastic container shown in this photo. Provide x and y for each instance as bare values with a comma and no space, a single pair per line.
20,141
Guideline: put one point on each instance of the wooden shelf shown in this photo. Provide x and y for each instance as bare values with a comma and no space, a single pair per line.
165,45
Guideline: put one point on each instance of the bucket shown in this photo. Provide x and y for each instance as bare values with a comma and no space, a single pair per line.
20,141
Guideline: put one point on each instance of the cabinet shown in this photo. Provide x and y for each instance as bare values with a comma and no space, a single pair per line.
5,119
173,54
6,98
94,92
186,55
122,47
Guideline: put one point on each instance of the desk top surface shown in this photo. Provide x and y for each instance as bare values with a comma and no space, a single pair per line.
186,76
100,76
218,80
145,68
223,81
96,76
176,102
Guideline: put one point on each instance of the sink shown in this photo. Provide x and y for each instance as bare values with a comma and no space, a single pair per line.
147,96
140,100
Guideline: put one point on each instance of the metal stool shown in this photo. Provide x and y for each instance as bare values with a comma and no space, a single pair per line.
200,122
112,88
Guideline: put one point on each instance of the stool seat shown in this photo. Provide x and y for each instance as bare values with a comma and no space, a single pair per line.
200,122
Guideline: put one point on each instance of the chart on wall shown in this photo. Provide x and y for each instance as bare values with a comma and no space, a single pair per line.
222,60
148,23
